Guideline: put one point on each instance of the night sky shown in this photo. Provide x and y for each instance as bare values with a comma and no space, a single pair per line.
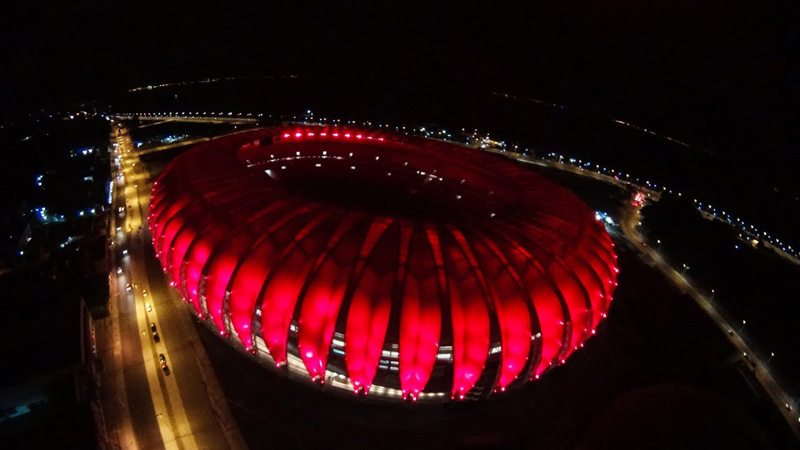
719,74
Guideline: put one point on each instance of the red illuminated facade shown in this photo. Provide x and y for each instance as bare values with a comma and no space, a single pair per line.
384,262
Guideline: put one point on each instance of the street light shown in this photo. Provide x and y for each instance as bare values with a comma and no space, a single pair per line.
713,294
659,244
685,268
744,322
771,355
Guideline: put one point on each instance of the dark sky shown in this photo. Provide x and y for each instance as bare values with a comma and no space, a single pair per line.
704,68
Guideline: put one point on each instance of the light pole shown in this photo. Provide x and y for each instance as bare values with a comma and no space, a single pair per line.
771,355
713,294
659,244
744,322
685,268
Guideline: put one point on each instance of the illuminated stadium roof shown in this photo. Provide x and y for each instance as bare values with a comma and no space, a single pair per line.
380,262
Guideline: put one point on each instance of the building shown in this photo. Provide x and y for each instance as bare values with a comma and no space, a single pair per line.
382,263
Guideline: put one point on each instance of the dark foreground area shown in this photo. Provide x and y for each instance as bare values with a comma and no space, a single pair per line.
753,286
658,375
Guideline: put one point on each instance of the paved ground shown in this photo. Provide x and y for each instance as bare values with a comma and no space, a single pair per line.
654,336
146,407
306,418
629,226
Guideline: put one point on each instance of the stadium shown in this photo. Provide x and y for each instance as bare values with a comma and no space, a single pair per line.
381,263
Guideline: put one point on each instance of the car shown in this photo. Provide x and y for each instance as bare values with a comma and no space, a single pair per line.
144,292
148,307
163,360
128,287
125,252
156,337
153,327
119,270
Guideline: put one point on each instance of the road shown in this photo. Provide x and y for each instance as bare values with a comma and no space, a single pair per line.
782,400
173,425
161,148
236,120
747,236
150,408
629,224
